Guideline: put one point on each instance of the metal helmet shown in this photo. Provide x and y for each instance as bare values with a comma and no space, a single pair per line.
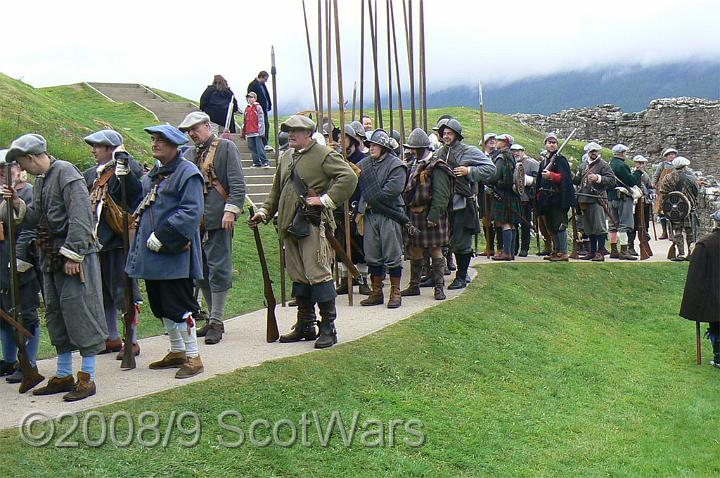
418,139
282,139
441,122
395,134
350,132
359,129
453,125
380,138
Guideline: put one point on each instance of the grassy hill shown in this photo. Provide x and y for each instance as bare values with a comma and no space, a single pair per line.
526,374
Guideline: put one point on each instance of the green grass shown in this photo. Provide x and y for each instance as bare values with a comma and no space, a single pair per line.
537,370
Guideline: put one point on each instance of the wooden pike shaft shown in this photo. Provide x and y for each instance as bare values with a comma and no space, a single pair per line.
362,57
321,113
273,71
482,117
401,115
310,60
407,17
353,117
373,36
423,77
338,60
389,65
328,65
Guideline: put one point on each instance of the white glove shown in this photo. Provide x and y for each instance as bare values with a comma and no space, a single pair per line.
121,161
22,266
153,243
529,180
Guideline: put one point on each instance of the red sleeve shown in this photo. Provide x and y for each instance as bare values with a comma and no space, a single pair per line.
556,178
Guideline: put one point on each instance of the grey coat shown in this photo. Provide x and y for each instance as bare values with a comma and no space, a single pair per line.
391,175
480,168
531,166
229,172
607,181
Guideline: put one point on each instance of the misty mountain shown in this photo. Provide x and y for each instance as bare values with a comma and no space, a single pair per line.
631,88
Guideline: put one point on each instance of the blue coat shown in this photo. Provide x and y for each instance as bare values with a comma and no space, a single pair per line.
175,219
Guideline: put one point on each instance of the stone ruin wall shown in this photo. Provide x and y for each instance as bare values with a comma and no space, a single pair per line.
690,125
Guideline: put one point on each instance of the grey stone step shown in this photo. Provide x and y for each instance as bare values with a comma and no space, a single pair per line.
258,178
258,188
257,198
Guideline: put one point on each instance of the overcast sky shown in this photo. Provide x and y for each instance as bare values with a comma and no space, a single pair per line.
179,45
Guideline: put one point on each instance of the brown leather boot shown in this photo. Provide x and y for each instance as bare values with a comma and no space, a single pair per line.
56,385
171,360
84,388
113,345
614,254
550,256
376,296
413,287
437,267
560,257
625,254
190,368
599,257
395,299
502,256
136,351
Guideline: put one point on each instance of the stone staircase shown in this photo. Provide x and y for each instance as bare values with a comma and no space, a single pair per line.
258,181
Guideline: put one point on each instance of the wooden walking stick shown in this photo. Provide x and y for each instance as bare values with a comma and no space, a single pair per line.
407,17
273,72
401,113
30,375
338,60
423,76
312,69
698,343
373,36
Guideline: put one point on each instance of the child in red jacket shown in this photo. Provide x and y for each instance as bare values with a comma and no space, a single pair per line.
254,130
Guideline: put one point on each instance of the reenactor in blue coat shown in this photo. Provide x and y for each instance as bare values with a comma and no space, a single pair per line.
166,252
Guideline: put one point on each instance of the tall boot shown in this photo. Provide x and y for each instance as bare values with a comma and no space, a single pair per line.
364,288
426,276
680,244
413,287
631,243
438,266
304,328
625,254
460,281
376,295
449,258
395,299
614,254
328,334
663,223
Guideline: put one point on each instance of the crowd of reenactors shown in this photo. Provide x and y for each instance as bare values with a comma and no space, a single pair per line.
426,201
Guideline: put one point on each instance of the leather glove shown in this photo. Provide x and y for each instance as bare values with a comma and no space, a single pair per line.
529,180
121,161
153,243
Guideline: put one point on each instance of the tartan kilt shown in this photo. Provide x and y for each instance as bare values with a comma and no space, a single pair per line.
437,236
504,210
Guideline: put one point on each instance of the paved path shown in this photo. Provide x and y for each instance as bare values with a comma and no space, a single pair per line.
243,345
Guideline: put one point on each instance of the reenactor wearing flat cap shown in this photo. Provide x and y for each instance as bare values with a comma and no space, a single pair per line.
701,297
61,214
354,154
311,180
679,180
555,196
661,170
427,196
103,182
166,251
224,188
506,207
469,165
382,181
28,282
621,204
594,178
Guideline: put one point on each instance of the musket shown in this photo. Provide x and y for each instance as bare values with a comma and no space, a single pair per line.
30,375
423,77
271,329
312,69
338,61
551,160
654,230
373,37
401,112
645,250
407,20
128,358
273,72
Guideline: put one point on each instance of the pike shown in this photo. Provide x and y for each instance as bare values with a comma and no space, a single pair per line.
271,329
30,375
362,56
354,98
373,37
273,72
401,118
486,203
423,77
310,60
321,112
129,314
407,20
389,65
328,69
346,216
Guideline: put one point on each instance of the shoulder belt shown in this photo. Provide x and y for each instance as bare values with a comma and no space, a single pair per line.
208,169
